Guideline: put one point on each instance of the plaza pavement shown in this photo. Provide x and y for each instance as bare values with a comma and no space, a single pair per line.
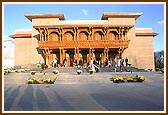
72,92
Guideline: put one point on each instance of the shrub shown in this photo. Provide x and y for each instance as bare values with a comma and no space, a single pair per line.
48,81
5,72
16,71
22,70
32,72
141,78
55,71
91,71
130,79
30,81
117,79
38,65
38,81
79,71
162,70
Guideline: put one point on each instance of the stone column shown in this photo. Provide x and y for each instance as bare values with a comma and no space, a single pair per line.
105,33
120,51
90,53
61,55
126,33
47,53
77,50
45,34
75,53
41,34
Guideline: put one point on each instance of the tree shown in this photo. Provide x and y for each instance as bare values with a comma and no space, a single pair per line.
159,59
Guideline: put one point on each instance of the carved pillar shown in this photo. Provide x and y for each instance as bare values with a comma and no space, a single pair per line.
120,33
90,33
46,34
60,29
47,54
126,33
61,55
75,33
90,50
105,54
120,51
105,33
75,53
77,50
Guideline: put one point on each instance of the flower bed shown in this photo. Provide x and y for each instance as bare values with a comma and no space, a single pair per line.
128,78
7,71
40,81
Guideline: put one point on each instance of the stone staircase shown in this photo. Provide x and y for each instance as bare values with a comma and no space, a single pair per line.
64,69
126,69
102,69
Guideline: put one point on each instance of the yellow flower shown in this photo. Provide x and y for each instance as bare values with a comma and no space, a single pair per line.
55,71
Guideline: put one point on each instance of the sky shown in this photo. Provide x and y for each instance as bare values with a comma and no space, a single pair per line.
152,15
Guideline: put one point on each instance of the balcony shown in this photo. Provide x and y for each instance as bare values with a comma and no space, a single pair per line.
84,44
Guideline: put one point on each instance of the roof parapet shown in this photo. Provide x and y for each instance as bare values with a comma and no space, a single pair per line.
105,16
35,16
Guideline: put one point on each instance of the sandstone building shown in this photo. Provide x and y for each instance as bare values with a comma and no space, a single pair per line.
114,36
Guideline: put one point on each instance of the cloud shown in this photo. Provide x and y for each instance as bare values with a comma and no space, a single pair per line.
85,12
160,22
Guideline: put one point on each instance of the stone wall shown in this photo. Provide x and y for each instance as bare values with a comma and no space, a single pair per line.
22,51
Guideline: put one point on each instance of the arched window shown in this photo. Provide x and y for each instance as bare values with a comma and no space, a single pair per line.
68,36
98,35
54,36
83,36
113,35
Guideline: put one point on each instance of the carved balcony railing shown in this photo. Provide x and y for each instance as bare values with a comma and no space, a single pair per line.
84,44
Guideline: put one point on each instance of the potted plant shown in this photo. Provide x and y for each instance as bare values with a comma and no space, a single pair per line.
32,72
55,71
38,65
91,71
141,78
5,72
79,71
162,70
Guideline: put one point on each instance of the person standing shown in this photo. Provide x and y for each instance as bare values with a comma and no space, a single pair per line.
65,62
55,63
126,61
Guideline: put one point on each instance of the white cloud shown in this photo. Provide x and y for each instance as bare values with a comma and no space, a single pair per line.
160,22
85,12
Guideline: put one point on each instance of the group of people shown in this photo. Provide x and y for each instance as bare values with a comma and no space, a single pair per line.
55,63
121,63
92,64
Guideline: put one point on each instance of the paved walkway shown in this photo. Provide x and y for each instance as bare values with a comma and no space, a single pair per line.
72,92
72,77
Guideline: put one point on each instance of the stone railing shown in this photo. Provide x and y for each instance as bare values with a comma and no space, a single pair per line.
84,44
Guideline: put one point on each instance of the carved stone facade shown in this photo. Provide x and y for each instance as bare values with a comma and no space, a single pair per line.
106,39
